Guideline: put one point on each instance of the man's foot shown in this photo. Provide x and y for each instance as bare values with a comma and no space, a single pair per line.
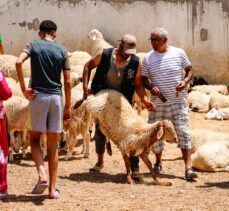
3,195
157,168
40,188
96,169
137,175
190,174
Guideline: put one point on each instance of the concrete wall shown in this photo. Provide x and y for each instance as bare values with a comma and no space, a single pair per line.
201,27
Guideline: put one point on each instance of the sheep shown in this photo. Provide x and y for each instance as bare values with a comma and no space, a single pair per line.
97,42
207,89
199,102
78,124
120,123
200,137
218,100
138,105
17,115
15,86
7,64
212,157
218,114
78,58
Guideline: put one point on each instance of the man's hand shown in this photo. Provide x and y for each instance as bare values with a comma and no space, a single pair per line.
155,91
67,114
29,94
148,104
86,92
181,85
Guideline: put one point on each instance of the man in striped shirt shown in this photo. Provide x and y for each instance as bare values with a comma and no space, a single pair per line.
162,74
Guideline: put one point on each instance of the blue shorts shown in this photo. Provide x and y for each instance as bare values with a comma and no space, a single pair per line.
46,112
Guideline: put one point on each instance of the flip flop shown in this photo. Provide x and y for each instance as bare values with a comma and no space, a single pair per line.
40,188
56,195
95,169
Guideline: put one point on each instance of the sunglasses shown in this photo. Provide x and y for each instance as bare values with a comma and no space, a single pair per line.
155,39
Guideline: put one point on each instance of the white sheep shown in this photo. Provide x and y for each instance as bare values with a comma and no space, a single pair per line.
199,102
15,86
78,58
203,136
218,114
17,115
7,64
79,124
120,123
209,88
218,100
97,42
212,157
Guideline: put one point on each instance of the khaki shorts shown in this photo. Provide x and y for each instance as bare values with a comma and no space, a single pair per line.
46,113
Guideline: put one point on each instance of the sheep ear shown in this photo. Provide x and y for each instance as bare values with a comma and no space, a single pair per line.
160,132
94,37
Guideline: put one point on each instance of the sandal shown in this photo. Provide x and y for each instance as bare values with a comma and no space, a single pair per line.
96,169
157,168
190,174
56,195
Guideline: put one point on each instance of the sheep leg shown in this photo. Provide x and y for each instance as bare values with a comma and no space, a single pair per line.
145,158
11,133
86,141
127,164
24,145
71,143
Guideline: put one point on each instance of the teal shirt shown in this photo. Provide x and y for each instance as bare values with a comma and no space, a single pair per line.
48,59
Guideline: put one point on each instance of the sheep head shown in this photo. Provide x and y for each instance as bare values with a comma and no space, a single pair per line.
166,131
94,34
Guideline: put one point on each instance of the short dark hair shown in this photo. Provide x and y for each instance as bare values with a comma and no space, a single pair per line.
48,26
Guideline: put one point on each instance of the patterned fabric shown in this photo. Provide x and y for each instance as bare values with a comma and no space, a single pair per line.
165,70
178,114
3,156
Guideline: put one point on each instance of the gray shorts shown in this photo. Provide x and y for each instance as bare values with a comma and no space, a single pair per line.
178,114
46,113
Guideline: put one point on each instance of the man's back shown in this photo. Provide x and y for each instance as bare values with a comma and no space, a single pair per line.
48,58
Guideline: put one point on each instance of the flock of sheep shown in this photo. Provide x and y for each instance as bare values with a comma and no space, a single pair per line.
104,107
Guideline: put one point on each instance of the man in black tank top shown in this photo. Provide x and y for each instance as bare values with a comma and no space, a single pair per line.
119,64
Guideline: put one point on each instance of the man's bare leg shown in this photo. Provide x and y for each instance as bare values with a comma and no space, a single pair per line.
37,156
52,146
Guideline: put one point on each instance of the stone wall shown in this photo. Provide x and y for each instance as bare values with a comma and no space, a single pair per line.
201,27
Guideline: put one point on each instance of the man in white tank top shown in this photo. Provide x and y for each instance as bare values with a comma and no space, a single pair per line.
162,74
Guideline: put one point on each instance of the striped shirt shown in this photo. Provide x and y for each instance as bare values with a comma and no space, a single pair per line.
165,70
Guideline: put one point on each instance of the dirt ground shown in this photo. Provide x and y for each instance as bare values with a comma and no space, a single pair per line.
81,190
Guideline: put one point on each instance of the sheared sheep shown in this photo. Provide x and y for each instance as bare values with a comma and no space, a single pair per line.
200,137
7,64
218,100
97,42
17,114
199,102
212,157
209,88
79,124
78,58
120,123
